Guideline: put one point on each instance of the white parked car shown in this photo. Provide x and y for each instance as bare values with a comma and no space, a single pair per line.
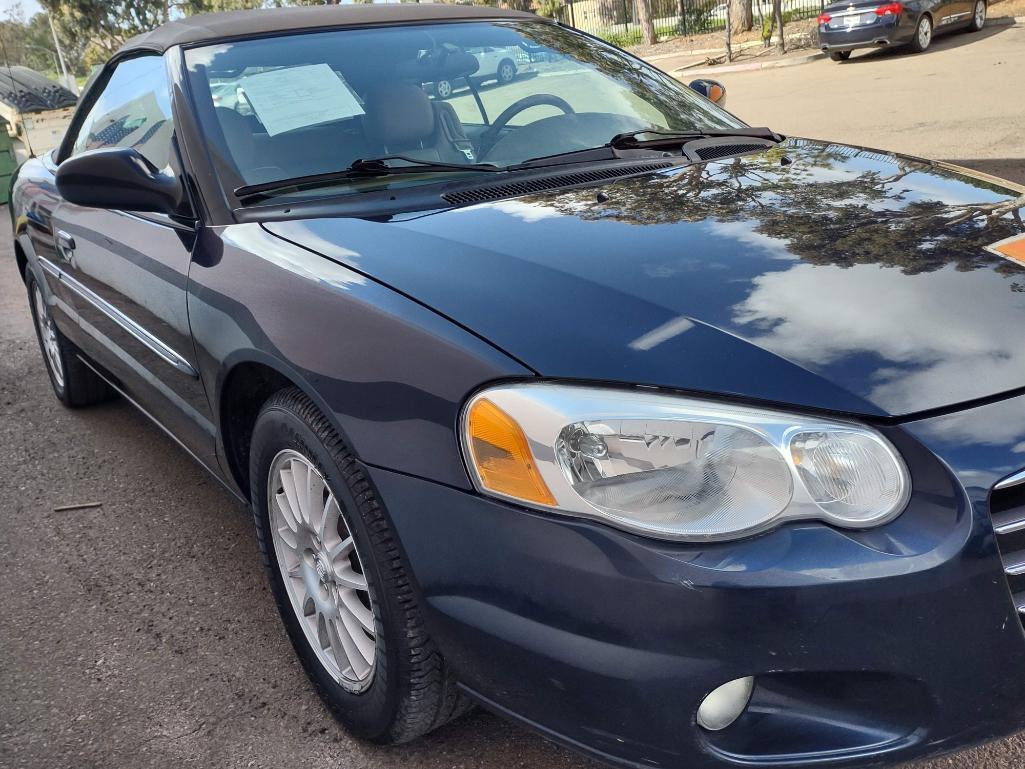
499,64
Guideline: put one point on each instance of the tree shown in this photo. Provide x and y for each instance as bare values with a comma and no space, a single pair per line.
91,30
777,24
645,20
741,16
551,9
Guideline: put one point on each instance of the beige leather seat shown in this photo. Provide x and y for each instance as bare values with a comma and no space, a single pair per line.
401,120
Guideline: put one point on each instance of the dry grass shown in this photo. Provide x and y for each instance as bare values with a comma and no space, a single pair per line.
798,30
1007,8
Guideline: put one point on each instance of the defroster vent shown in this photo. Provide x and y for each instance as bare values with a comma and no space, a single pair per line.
489,192
717,151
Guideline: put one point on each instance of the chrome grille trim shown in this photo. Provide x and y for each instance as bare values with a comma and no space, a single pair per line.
1007,514
1016,523
1014,564
1011,480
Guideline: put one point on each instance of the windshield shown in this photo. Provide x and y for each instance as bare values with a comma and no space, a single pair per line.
466,93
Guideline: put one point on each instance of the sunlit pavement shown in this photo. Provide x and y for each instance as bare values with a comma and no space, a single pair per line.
959,101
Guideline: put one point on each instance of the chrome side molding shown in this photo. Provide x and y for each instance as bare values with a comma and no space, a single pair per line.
159,348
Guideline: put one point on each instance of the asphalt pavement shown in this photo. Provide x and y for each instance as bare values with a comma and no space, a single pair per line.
961,101
141,633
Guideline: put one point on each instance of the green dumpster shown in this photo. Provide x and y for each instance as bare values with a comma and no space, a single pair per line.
8,161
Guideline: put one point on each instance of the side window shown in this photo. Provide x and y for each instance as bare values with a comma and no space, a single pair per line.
133,110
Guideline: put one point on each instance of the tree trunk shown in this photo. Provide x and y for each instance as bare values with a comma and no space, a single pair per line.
741,16
777,22
645,20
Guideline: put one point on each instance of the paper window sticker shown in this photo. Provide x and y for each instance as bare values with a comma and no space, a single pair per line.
299,97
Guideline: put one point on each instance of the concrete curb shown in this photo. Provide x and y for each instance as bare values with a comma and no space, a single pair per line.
750,67
703,51
691,69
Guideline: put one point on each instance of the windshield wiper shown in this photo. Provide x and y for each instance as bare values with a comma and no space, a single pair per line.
629,140
379,166
359,169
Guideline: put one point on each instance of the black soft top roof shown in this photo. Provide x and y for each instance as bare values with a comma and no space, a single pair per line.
221,26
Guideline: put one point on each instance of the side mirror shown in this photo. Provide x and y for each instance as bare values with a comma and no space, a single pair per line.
118,178
712,90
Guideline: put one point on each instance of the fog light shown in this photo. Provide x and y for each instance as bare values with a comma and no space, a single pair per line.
724,705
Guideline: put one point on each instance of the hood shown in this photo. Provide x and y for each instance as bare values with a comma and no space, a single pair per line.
812,274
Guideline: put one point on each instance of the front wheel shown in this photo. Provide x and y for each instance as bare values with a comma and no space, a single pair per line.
506,71
840,55
443,88
340,581
978,16
923,35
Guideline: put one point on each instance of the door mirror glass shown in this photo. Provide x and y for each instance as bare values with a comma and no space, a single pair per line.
712,90
118,178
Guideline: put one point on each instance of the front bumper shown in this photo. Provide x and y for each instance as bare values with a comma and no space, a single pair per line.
870,646
885,31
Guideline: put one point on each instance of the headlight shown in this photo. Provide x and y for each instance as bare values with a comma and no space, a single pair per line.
677,468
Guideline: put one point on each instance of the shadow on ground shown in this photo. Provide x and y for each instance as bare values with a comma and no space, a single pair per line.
943,42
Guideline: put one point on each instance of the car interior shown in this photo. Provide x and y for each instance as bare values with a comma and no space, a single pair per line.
400,119
390,73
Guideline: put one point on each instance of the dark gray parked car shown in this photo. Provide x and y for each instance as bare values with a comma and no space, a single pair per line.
847,26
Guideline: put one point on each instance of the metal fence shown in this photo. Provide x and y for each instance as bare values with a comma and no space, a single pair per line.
616,20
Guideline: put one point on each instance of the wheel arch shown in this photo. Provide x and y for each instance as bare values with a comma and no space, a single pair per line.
246,383
21,259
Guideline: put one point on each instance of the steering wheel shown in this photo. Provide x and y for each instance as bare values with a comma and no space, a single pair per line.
489,136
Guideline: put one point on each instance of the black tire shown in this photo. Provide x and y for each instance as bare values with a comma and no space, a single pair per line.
840,55
412,690
917,45
76,385
978,16
506,71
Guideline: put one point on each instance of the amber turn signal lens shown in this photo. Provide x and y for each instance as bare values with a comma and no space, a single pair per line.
501,455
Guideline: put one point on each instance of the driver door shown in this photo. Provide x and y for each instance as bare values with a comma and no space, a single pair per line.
127,273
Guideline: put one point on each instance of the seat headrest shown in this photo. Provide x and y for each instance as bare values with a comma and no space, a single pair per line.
398,113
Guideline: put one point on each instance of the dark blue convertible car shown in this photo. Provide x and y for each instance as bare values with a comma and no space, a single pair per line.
682,442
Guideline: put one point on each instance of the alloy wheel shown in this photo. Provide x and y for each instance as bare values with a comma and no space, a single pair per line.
924,32
48,335
980,14
443,88
322,571
506,73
